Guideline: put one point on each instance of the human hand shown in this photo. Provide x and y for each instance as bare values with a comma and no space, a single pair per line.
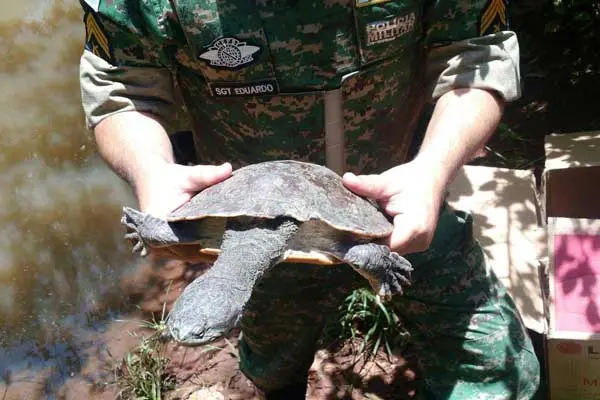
408,194
168,185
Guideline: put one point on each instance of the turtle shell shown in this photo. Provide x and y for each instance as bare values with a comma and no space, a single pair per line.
295,189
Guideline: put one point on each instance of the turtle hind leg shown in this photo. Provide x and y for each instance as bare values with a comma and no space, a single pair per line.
386,271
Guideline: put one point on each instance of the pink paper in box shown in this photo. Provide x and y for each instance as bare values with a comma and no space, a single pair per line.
577,282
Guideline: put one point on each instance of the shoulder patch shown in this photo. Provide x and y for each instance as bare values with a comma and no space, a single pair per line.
493,18
96,39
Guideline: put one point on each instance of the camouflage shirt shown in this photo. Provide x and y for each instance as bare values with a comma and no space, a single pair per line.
339,82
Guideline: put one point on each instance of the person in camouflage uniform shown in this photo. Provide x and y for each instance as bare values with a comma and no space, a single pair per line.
335,82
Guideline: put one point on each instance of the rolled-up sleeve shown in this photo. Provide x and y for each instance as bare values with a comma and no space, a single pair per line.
486,62
107,89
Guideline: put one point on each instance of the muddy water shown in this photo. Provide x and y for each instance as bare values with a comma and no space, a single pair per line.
61,247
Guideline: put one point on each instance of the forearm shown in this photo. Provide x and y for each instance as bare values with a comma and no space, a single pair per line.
133,144
126,106
462,122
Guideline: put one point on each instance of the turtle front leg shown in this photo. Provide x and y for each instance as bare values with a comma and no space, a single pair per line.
386,271
146,230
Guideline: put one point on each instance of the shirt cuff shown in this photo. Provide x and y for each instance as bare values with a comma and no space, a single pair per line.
487,62
108,90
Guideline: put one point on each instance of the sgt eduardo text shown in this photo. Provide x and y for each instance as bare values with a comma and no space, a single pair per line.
240,89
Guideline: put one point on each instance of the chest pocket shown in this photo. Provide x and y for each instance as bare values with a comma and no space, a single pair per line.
386,28
302,45
228,45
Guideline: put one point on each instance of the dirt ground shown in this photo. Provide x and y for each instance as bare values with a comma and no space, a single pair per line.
208,372
335,374
211,372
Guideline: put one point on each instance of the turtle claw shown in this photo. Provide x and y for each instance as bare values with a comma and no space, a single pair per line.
384,291
395,278
133,233
387,271
139,246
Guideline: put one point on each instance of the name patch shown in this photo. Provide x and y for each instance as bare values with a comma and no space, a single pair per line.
264,87
387,30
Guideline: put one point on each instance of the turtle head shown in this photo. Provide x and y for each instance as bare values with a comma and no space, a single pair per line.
191,333
196,320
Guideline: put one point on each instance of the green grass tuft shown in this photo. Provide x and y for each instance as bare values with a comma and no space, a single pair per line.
364,316
143,373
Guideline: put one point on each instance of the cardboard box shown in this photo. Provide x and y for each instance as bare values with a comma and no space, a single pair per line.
571,179
570,204
573,343
574,369
503,203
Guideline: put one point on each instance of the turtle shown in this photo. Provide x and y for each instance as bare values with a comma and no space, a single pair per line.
262,215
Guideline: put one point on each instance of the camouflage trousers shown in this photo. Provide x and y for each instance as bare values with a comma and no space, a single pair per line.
470,339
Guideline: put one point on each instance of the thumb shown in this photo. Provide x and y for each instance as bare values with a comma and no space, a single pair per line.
200,177
402,236
373,186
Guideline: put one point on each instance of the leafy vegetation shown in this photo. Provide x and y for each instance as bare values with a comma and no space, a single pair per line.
576,15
